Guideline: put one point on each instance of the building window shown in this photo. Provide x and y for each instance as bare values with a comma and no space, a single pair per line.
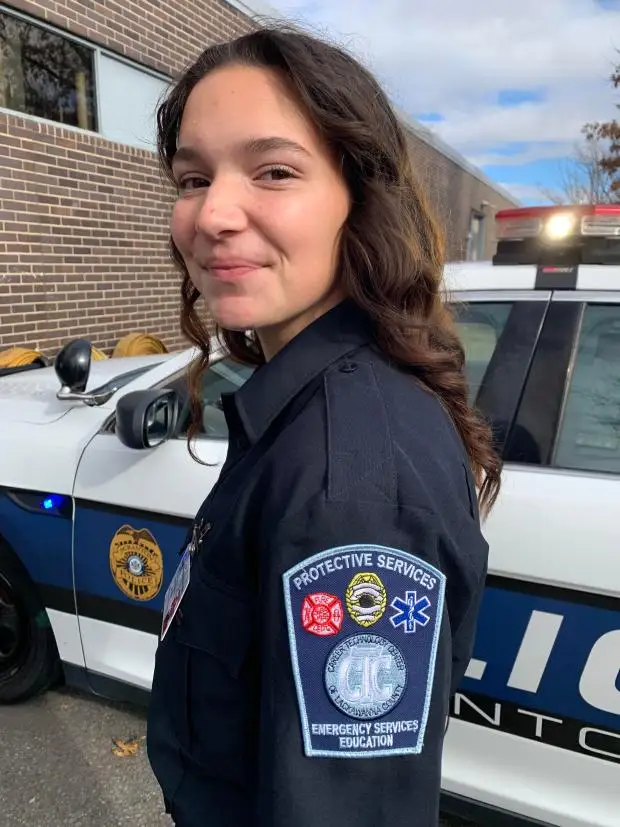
476,240
45,74
128,101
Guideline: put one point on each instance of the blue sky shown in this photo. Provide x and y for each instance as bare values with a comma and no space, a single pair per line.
508,84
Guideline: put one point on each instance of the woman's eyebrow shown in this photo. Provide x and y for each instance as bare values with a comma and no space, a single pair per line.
253,146
186,153
257,146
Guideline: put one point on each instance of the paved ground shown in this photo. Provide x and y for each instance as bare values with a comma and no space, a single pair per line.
58,769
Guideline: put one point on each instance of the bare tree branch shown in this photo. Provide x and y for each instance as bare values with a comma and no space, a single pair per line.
608,134
592,175
585,179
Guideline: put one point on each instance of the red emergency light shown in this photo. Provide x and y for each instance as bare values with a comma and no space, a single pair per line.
575,234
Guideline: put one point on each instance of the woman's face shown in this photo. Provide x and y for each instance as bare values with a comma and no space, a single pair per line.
261,205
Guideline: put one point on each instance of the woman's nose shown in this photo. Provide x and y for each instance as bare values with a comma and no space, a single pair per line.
221,210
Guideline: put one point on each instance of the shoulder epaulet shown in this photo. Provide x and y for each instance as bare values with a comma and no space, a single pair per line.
360,450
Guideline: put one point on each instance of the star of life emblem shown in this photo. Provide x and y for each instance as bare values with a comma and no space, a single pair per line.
410,612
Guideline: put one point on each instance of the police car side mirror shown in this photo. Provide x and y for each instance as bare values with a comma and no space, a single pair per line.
146,418
72,366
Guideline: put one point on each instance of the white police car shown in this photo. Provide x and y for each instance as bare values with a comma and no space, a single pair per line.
98,490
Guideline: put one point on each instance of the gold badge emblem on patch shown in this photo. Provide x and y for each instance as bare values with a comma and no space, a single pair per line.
366,598
136,563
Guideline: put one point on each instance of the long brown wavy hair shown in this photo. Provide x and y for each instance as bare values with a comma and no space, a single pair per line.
391,253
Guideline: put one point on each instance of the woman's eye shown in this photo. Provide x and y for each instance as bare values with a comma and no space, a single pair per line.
192,183
277,174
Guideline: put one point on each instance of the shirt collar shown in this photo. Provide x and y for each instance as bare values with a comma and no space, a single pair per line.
332,336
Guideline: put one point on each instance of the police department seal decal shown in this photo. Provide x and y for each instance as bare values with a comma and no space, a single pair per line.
366,598
322,614
136,563
365,676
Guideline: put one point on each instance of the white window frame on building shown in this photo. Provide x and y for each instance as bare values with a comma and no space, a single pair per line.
476,240
116,99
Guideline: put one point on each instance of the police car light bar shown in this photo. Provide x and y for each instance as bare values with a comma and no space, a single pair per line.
576,234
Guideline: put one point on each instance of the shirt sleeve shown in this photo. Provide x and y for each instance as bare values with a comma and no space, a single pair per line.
468,601
357,662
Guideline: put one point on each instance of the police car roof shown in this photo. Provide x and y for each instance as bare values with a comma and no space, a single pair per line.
470,276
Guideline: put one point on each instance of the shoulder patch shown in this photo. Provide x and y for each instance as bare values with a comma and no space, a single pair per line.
363,627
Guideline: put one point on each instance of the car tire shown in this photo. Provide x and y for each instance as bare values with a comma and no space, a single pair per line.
29,662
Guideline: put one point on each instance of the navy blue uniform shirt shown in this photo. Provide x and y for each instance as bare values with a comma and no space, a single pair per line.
332,604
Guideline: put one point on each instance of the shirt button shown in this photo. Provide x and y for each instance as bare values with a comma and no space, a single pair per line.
348,367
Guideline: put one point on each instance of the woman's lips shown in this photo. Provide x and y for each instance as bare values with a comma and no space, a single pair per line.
231,270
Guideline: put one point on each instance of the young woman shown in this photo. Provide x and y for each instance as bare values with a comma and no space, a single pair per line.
331,585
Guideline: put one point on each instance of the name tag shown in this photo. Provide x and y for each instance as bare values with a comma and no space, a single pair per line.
176,590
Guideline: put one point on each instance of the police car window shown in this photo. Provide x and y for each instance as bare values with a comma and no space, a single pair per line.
480,325
589,433
223,376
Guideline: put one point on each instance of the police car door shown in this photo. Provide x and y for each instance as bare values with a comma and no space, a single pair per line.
536,725
132,514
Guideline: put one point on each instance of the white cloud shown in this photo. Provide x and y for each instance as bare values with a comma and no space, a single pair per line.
526,192
533,152
556,120
453,58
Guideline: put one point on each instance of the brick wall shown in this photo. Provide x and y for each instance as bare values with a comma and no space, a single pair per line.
159,33
454,193
83,239
84,222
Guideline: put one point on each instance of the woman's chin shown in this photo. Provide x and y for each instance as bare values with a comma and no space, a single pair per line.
234,315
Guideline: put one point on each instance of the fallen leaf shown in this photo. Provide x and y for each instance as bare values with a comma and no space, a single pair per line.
125,749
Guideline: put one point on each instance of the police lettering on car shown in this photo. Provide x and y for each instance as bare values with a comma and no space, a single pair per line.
324,610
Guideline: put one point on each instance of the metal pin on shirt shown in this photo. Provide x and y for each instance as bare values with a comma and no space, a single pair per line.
199,531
